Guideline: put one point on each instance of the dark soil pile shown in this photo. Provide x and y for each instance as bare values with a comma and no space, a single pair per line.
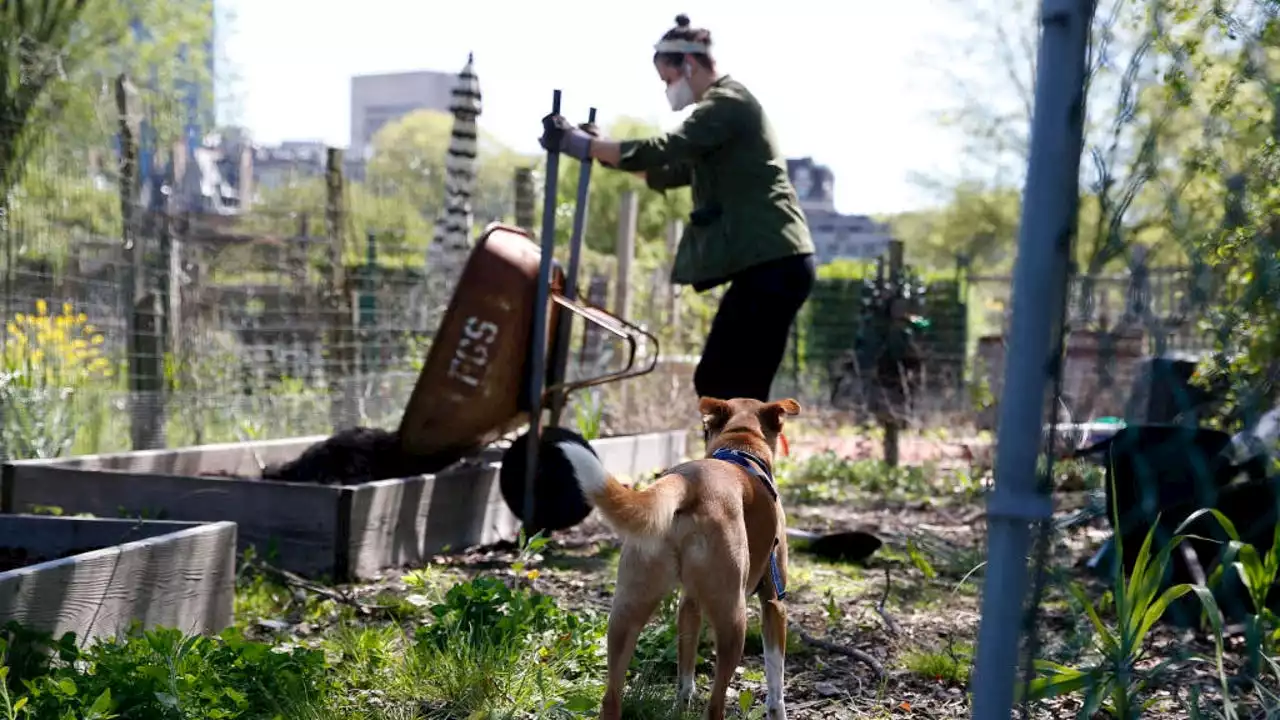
12,558
351,457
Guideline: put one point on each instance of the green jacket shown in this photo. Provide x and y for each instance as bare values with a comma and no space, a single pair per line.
745,208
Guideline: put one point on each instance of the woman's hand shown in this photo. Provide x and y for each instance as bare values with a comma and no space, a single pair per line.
559,135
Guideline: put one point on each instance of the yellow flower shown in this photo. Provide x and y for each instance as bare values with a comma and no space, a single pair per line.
67,309
532,574
42,308
96,340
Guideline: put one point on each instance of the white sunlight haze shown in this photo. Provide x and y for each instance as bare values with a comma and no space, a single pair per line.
845,83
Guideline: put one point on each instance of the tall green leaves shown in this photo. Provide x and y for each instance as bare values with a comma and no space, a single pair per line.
36,56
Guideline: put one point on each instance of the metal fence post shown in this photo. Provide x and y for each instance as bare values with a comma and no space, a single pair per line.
1047,228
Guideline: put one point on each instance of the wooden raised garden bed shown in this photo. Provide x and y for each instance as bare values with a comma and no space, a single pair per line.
342,532
97,576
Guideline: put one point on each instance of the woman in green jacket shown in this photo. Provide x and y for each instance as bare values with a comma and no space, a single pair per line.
746,228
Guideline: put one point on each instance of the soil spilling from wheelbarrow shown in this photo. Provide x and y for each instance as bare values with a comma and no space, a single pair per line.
351,457
12,558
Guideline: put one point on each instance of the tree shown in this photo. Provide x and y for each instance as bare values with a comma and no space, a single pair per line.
39,44
403,233
1222,199
408,160
1130,132
978,224
655,210
58,63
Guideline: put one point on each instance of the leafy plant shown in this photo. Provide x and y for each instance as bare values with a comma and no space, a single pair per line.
494,648
1114,682
588,414
162,674
831,609
49,362
529,548
1258,575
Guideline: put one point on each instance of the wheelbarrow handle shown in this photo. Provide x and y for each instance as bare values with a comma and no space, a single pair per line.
560,347
619,328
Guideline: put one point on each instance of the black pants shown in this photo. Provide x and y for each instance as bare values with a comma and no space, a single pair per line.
749,333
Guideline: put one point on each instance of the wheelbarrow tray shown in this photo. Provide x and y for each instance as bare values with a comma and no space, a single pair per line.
471,388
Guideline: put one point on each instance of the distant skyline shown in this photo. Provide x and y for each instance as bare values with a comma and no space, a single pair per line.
844,84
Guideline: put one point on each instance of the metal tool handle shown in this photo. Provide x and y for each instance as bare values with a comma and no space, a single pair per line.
564,333
538,344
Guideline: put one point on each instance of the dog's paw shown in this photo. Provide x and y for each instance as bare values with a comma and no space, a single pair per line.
684,700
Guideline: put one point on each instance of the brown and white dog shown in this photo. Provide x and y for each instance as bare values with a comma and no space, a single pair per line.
715,527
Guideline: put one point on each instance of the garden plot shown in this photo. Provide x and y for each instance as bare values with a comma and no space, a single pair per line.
893,637
518,633
341,532
95,577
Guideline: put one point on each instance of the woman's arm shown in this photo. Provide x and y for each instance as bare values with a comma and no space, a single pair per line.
675,175
710,126
607,152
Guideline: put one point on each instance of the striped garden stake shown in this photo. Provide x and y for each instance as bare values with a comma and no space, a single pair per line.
448,252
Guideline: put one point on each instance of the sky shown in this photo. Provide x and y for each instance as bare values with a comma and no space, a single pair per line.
849,84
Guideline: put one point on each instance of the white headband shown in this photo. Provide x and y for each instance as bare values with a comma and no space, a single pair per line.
682,46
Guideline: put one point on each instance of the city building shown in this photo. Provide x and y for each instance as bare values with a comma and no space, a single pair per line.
835,235
293,160
379,99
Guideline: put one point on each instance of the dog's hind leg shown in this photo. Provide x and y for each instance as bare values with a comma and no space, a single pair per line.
773,629
688,628
642,583
729,620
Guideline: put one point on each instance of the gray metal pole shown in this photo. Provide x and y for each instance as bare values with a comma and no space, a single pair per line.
1047,228
564,334
538,345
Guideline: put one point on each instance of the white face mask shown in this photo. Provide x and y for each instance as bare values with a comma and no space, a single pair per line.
679,93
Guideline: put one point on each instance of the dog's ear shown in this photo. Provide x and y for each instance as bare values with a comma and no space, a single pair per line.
713,410
789,406
772,413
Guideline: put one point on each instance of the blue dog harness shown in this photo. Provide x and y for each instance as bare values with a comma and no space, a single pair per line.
758,469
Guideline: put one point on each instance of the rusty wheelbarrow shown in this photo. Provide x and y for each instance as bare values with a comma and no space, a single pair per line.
499,360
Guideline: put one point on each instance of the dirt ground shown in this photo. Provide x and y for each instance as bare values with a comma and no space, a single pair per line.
892,637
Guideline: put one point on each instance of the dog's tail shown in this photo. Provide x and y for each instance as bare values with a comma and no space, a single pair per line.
637,513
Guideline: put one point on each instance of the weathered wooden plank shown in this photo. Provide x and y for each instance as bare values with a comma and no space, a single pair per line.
183,579
291,524
39,536
341,532
635,455
238,458
404,522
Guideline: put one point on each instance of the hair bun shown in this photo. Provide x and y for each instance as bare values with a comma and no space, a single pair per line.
682,20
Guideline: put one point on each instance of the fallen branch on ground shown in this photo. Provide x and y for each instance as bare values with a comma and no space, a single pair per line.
829,646
297,581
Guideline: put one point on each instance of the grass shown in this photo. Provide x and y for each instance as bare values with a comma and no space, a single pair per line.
950,665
